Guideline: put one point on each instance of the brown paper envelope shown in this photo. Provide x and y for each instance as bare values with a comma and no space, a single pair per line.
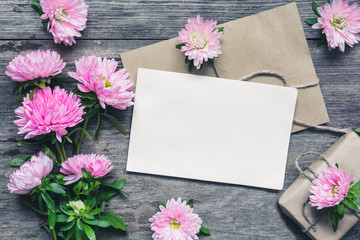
272,40
345,152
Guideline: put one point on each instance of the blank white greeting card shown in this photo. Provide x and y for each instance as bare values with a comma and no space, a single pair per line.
211,129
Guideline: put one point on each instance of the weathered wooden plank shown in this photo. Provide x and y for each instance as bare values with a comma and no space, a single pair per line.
139,19
231,212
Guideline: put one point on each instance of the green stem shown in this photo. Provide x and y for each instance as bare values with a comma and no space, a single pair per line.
82,134
54,233
63,150
59,150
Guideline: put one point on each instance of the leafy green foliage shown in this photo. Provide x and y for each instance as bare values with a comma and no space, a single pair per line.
311,21
204,231
116,123
178,46
221,29
18,161
315,7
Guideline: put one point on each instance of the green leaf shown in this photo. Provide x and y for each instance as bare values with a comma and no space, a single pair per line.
114,220
88,103
357,130
119,184
68,139
74,130
211,61
357,201
88,95
70,218
336,165
49,201
89,232
186,59
87,134
77,188
33,208
204,231
341,208
357,185
350,204
35,140
61,218
51,219
322,41
31,95
333,218
311,21
98,222
221,29
71,232
352,182
315,7
17,162
89,216
191,65
96,211
91,113
86,174
79,224
36,5
78,234
161,204
328,1
190,203
67,227
56,188
178,46
47,229
105,194
116,123
98,126
90,202
354,191
40,84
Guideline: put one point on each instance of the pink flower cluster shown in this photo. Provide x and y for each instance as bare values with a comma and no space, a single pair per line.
98,165
36,64
30,174
175,221
340,23
50,110
100,76
66,19
201,40
330,188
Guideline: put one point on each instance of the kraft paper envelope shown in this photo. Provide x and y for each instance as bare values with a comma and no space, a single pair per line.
272,40
211,129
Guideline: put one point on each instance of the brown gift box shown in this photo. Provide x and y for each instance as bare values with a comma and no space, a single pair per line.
345,152
272,40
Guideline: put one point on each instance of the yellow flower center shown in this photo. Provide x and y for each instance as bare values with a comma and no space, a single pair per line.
198,39
175,223
107,83
333,190
339,23
59,14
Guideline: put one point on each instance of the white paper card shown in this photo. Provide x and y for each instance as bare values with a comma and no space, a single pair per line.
211,129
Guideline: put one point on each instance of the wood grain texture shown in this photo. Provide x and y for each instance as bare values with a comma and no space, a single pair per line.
230,212
136,19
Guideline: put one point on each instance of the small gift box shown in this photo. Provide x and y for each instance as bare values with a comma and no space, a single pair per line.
294,201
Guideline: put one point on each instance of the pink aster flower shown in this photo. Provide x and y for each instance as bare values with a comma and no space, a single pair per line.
201,40
176,221
30,174
100,76
66,19
330,188
50,110
340,23
36,64
98,165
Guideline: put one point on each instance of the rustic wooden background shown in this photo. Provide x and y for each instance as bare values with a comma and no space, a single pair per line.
115,26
